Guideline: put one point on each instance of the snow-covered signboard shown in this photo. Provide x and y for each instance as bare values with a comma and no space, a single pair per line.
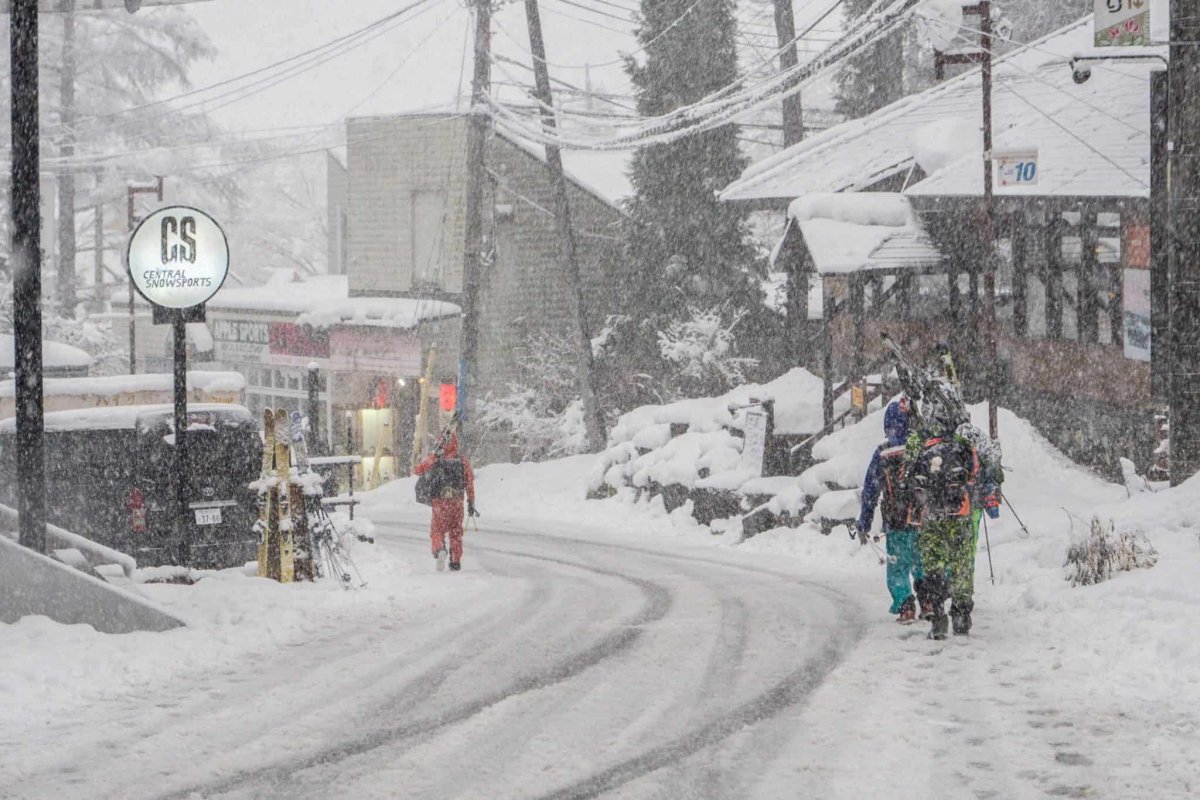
755,447
178,257
1122,23
1017,168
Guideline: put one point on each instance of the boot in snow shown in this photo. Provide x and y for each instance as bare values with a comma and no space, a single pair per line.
960,616
441,560
940,627
908,612
455,566
927,610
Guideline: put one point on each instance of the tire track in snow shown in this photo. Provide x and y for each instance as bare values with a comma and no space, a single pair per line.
658,602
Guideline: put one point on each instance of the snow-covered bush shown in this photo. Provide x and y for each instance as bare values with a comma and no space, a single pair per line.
542,411
702,352
1103,552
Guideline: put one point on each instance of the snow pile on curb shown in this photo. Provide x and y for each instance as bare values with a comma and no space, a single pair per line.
642,451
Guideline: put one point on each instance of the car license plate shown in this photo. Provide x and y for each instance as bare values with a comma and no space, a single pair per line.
208,516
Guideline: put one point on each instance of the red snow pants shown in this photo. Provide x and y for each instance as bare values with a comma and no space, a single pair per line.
447,521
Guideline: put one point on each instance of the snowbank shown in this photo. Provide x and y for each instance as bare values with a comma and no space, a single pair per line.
708,455
55,355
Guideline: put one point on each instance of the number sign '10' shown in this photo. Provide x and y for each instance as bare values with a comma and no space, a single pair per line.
1017,169
1122,23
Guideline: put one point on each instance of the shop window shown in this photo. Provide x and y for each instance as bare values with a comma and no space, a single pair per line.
376,429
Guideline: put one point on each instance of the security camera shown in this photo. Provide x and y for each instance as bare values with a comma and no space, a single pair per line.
1081,72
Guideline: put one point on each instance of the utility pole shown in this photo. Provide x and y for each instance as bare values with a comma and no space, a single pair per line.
25,205
785,32
989,224
1184,171
476,180
566,238
66,175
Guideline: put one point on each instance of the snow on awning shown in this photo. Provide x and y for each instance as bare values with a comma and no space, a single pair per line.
324,300
860,232
55,355
1033,90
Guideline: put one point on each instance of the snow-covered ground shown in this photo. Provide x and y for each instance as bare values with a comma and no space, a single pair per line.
606,647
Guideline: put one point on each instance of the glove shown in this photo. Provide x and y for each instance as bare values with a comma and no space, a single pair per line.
471,512
991,504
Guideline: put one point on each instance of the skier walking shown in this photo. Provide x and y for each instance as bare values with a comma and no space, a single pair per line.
886,484
944,471
452,478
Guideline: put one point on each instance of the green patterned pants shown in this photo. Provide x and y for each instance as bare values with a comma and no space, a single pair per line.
948,554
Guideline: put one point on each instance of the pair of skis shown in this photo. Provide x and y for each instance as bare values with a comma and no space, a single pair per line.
285,549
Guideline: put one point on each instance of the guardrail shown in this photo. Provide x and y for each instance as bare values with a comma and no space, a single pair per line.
60,539
350,462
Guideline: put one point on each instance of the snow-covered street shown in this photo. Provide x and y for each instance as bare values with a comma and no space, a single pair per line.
603,649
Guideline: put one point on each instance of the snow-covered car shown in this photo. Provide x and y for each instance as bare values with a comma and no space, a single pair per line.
109,478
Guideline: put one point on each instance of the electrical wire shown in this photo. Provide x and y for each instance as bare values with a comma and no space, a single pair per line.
723,106
308,60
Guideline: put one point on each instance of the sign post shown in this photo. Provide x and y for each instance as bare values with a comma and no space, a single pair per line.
1122,23
178,258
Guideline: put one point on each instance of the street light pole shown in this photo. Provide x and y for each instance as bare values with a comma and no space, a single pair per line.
25,204
989,225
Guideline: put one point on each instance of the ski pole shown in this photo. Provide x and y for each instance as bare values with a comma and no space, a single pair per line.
1016,516
988,542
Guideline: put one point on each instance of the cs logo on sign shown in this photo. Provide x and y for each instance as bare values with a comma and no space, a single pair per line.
178,240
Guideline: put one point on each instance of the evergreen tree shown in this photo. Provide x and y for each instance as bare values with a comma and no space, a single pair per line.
874,77
684,248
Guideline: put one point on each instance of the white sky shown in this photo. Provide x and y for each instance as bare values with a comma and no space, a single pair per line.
254,33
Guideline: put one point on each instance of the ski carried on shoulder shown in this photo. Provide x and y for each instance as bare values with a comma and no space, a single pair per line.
920,385
266,502
283,458
303,563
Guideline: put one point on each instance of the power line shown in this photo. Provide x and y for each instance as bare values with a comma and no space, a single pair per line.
227,82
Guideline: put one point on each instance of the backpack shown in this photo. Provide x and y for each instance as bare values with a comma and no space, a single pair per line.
943,478
895,502
447,478
424,489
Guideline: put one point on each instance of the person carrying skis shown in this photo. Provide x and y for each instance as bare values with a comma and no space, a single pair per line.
886,484
452,478
943,472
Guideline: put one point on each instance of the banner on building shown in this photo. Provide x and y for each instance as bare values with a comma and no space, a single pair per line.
1137,314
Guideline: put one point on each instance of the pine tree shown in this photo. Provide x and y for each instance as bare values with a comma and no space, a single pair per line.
683,246
874,77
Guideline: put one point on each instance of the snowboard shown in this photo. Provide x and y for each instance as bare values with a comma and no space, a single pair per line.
282,496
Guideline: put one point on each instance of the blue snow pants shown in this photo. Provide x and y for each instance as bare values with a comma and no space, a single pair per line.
903,567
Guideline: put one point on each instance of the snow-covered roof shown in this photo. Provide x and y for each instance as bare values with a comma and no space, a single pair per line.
1036,104
126,417
325,300
860,232
55,355
112,385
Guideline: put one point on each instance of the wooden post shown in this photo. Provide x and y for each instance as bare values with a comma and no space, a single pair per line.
1018,223
827,354
858,312
1086,301
991,355
1054,272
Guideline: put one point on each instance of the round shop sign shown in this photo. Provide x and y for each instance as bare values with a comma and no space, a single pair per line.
178,257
